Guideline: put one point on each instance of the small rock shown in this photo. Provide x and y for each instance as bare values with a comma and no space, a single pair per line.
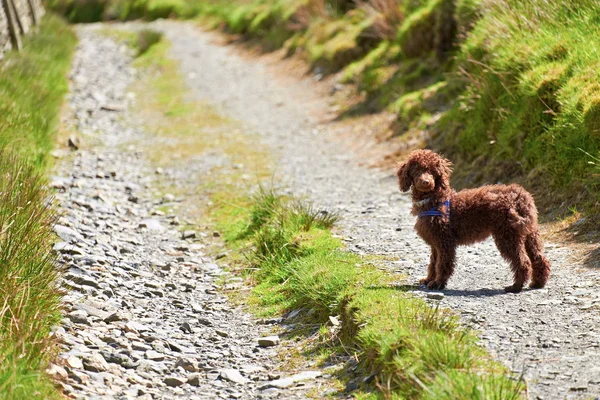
136,327
197,308
188,234
578,388
232,375
74,142
151,225
292,380
117,358
67,234
78,317
205,322
57,372
174,381
278,383
186,364
95,363
435,295
74,362
221,333
154,355
112,107
186,328
268,341
193,379
114,317
66,248
79,376
58,185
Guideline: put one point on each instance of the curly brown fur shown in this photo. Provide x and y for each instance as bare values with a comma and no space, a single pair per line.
505,212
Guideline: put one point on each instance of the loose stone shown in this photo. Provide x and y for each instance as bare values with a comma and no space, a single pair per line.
268,341
232,375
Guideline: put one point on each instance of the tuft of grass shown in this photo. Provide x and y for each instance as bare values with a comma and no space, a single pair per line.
145,39
29,295
386,15
32,85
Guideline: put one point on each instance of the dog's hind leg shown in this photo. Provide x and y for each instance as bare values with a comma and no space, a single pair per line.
539,263
431,268
512,248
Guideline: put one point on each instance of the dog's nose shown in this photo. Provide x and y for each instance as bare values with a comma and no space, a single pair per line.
425,182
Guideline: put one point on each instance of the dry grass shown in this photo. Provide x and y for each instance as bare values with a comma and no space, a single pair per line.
29,294
306,13
386,15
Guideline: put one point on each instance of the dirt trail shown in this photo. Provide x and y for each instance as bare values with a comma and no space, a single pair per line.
551,336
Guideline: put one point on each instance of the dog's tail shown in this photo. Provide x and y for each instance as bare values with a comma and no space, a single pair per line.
518,221
523,217
539,263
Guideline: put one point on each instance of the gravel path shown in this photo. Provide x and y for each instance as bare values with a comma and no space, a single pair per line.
552,335
144,316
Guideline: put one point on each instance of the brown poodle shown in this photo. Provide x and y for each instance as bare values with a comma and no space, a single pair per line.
447,219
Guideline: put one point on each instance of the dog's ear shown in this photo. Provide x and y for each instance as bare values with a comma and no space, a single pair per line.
444,170
446,167
404,179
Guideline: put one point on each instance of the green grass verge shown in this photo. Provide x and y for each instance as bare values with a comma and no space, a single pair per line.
123,10
416,351
532,106
32,85
286,249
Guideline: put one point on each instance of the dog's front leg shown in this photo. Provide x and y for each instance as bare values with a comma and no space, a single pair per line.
431,268
444,267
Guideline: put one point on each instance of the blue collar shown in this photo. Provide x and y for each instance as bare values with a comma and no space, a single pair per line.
434,212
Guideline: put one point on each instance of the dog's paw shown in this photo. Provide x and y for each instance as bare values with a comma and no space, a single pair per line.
537,285
513,288
424,281
436,285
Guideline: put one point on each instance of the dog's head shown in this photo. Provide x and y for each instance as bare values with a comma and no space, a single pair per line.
425,171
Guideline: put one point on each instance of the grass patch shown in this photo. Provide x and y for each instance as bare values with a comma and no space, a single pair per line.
78,11
32,85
